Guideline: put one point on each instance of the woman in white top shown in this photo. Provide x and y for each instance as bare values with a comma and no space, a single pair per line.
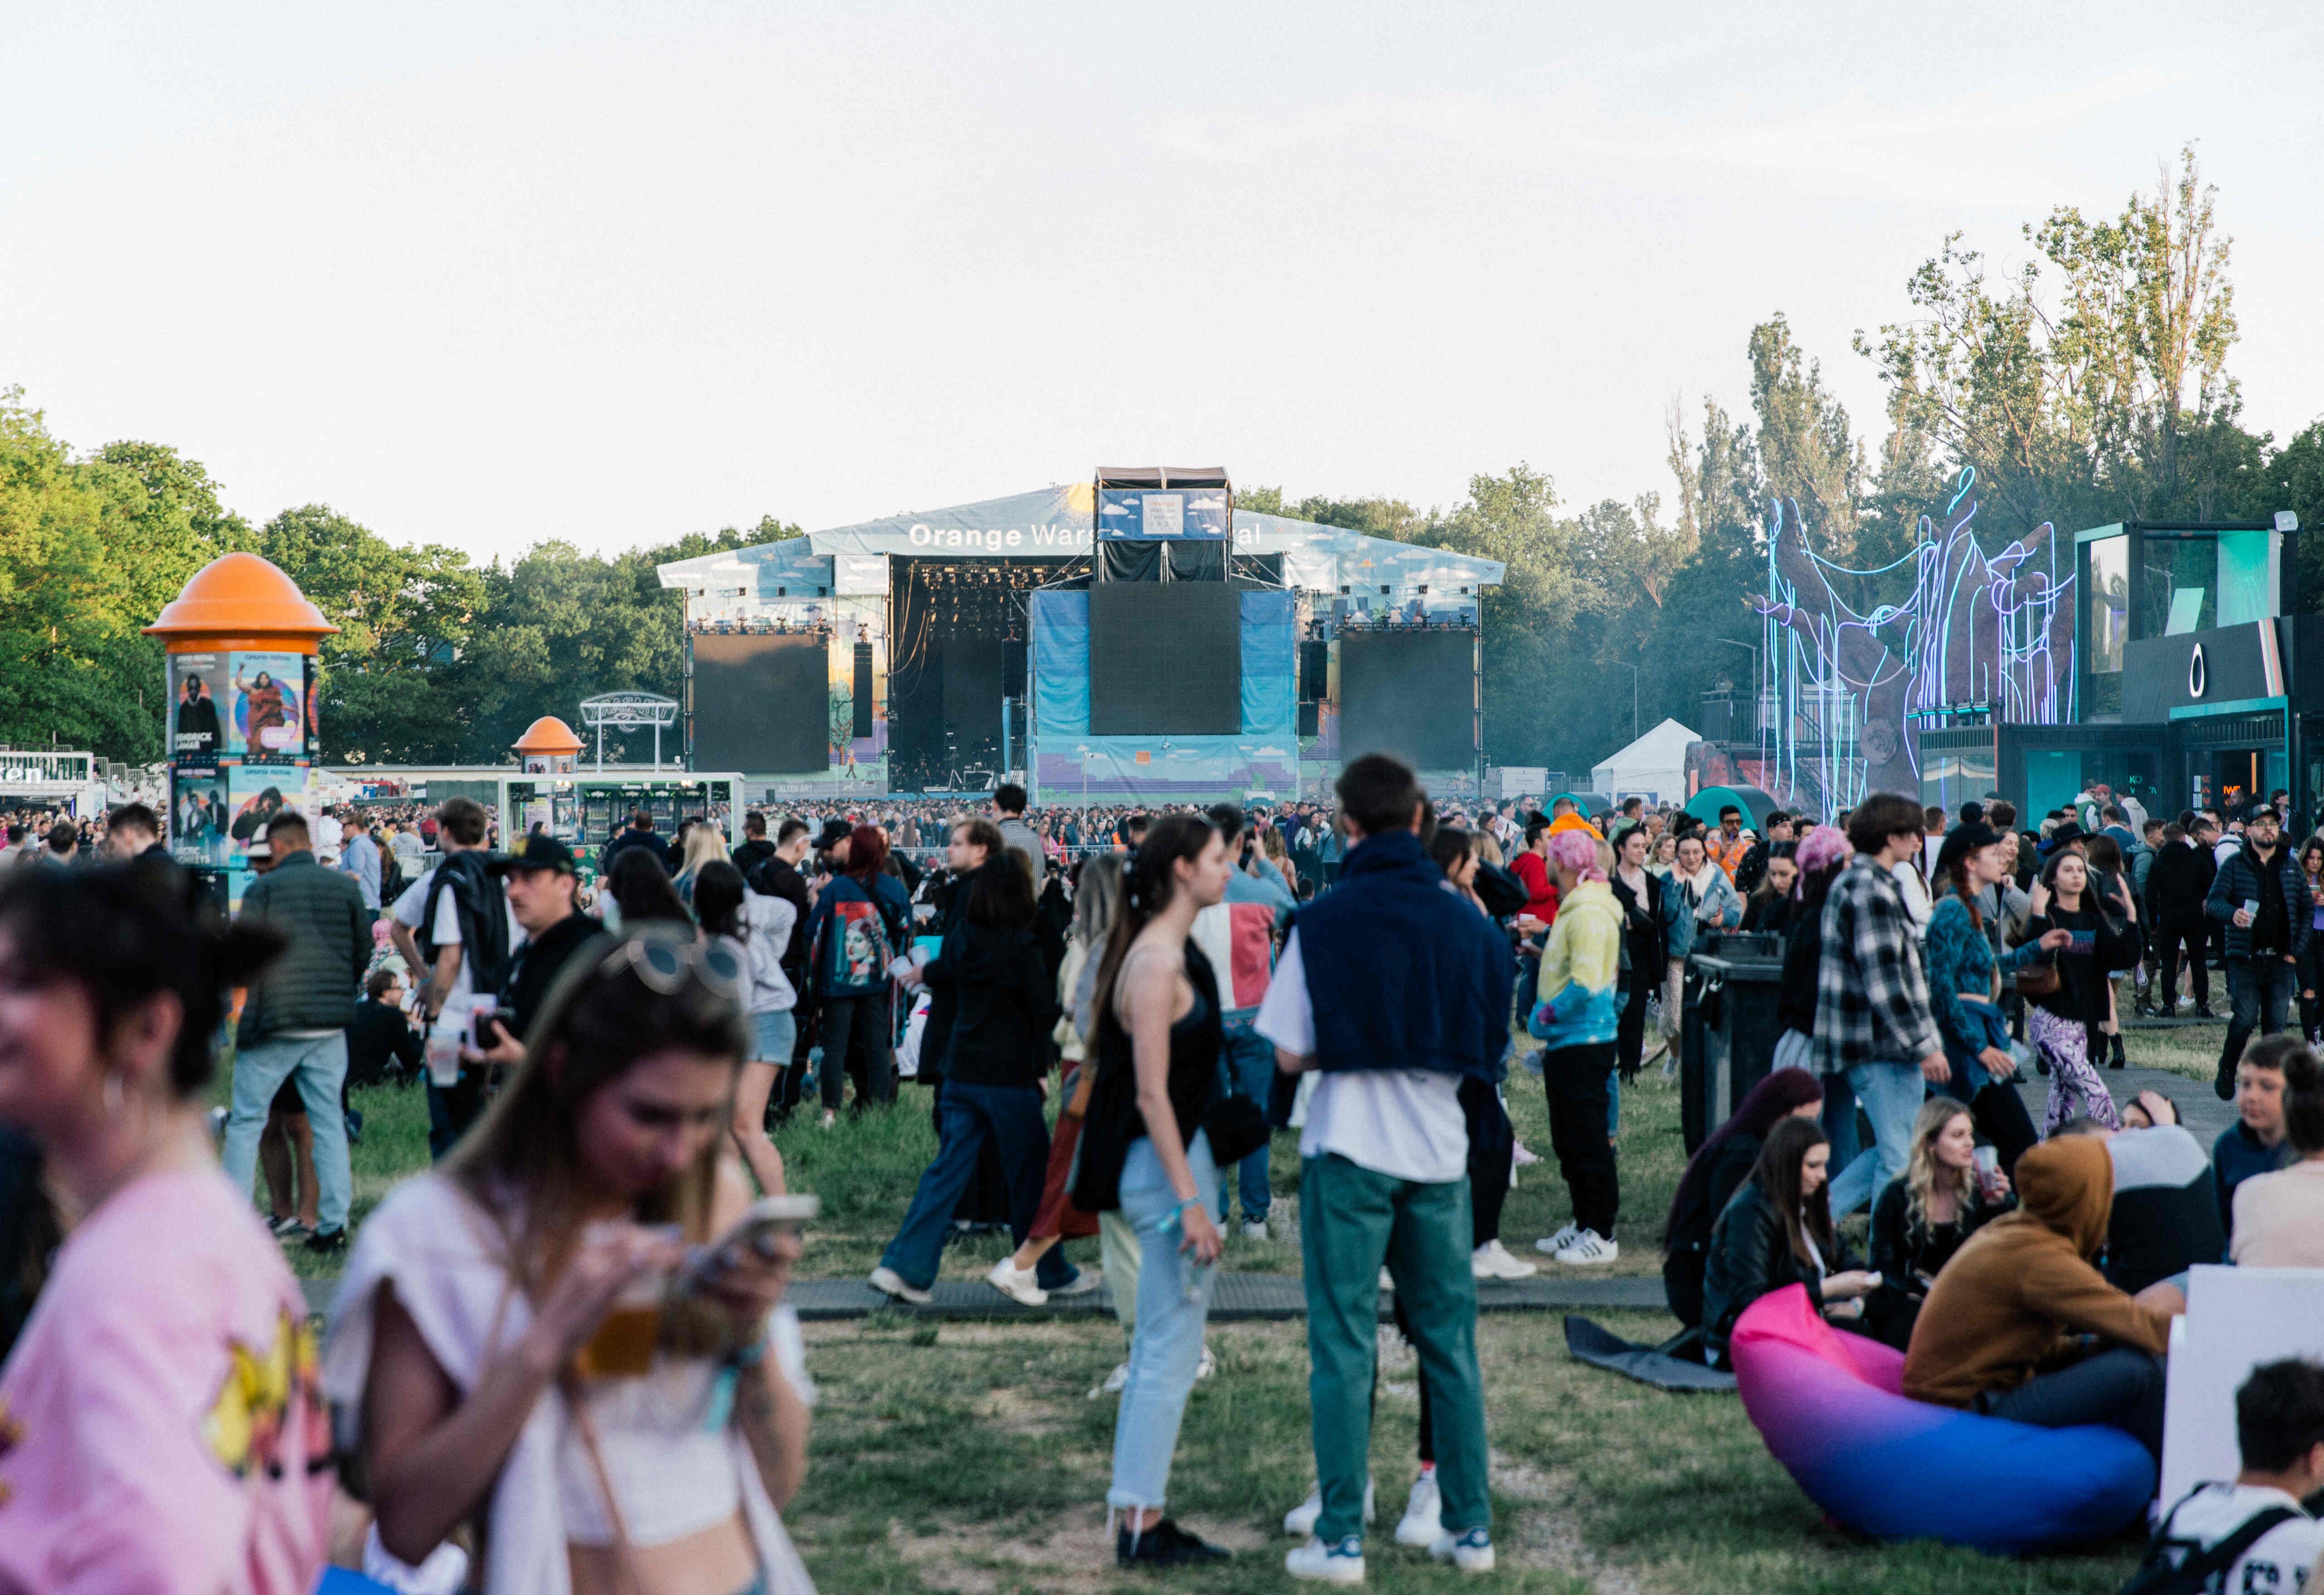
756,930
504,1343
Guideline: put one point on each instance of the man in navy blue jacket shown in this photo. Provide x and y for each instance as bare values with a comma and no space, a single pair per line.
2261,897
1394,988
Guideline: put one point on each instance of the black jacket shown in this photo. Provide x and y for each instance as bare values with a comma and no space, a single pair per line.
1687,1248
1795,994
1004,1004
1749,1258
2177,884
313,985
535,967
633,837
1642,927
380,1037
1903,1252
2238,882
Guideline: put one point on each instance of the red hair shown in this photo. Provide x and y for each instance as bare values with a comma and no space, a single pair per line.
867,851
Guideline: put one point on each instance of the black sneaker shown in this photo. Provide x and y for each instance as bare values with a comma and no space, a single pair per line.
2223,1085
1165,1544
2118,1060
328,1240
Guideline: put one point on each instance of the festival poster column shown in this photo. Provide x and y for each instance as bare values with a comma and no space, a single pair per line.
242,731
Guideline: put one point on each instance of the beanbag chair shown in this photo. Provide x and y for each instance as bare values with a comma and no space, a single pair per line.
1830,1405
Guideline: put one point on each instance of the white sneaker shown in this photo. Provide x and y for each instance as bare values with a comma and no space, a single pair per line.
1471,1552
1208,1366
1492,1261
1388,1280
1302,1519
888,1282
1254,1229
1588,1246
1081,1283
1553,1244
1016,1284
1114,1382
1424,1520
1342,1564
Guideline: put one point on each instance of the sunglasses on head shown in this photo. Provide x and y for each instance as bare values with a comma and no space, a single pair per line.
665,962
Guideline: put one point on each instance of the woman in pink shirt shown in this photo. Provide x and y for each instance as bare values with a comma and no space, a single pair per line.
162,1427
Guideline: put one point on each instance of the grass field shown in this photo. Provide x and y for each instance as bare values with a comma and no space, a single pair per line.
970,1457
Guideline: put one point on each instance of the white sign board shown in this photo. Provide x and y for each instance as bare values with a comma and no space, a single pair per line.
2236,1319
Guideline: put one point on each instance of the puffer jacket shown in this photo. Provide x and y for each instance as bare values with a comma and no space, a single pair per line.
2237,883
313,985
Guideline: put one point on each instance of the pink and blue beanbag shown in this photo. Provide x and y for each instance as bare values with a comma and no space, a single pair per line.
1830,1405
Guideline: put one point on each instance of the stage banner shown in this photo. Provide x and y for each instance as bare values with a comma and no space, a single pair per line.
1152,514
1061,687
1269,656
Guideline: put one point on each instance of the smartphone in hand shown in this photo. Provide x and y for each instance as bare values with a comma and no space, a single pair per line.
766,1217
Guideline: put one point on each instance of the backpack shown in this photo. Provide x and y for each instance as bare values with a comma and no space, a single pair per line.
477,900
2158,1574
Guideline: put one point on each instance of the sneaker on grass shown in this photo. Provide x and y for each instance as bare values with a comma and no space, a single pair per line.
1165,1544
1423,1522
1084,1280
1492,1261
1016,1284
1254,1229
1342,1564
1588,1246
1114,1382
1553,1244
1471,1552
888,1282
1300,1520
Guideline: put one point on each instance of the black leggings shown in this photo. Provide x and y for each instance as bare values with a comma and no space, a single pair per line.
1492,1142
1630,1029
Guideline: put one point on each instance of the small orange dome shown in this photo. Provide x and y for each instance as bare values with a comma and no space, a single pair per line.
547,736
240,594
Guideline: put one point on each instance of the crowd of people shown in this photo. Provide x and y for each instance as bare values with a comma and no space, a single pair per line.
561,1360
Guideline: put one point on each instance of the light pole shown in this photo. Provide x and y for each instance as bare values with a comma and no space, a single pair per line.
1633,669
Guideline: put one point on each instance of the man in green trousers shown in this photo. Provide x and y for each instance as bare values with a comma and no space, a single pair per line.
1393,988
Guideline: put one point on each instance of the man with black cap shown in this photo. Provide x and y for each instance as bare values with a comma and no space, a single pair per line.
542,891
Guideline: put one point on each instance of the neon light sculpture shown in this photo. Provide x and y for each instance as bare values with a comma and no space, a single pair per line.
1979,636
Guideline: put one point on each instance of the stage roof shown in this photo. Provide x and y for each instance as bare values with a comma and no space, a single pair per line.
1056,521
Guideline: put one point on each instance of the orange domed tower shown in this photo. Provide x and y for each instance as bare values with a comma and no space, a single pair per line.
242,642
547,747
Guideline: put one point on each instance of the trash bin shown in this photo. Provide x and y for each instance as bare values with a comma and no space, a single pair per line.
1727,1030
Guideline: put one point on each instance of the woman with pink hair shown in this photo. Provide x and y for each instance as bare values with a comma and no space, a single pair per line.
1574,1014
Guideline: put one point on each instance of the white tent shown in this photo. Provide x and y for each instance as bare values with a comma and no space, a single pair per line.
1653,767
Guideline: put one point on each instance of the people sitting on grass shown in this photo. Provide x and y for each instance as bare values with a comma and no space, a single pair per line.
2279,1217
2255,1143
1716,1172
489,1354
2164,1218
1921,1221
1776,1231
1989,1335
2255,1533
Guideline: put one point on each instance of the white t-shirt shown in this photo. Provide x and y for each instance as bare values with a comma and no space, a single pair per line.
446,932
329,835
2279,1564
1405,1124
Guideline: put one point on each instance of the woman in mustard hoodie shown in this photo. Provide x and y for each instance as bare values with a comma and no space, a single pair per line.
1574,1014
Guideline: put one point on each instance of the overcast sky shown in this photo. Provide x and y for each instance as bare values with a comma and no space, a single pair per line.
490,274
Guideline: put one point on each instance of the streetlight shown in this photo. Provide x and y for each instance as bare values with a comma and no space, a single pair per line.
1633,669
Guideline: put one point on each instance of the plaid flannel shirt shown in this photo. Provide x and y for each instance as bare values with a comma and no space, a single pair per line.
1872,1000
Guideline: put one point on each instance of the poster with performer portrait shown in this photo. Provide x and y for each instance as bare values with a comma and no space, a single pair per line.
197,699
266,707
198,816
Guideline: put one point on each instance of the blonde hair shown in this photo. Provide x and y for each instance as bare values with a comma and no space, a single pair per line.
1922,1169
704,844
1489,850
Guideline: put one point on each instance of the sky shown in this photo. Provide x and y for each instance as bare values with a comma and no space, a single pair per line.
493,274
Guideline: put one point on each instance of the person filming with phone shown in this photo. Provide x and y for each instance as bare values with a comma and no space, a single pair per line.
541,1341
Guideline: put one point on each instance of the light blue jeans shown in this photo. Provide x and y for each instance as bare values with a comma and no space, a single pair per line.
1167,1346
1890,1095
320,1065
772,1036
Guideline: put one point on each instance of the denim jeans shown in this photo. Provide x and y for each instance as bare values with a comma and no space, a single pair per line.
1890,1095
2259,992
319,1065
1011,1117
1173,1301
1247,1059
773,1036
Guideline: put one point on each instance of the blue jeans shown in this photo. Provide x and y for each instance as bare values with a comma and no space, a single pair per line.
773,1038
1839,1120
1010,1115
1173,1300
319,1062
1890,1095
1247,1060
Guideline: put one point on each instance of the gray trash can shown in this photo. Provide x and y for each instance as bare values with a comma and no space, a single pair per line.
1727,1030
